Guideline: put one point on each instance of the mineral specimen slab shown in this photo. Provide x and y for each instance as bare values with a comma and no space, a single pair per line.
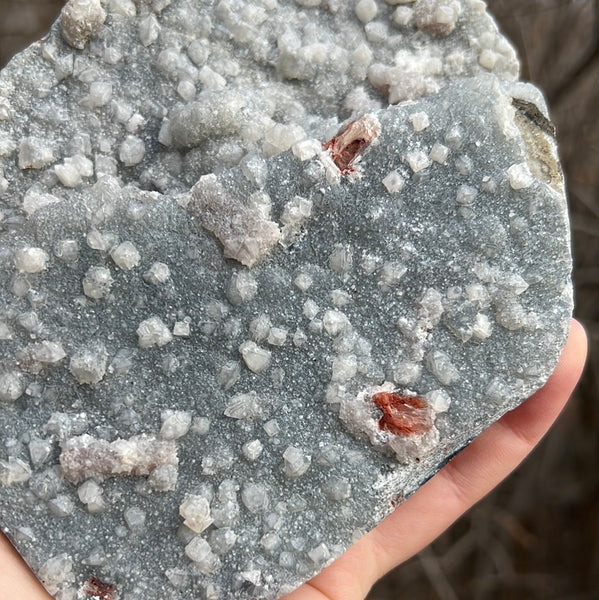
266,266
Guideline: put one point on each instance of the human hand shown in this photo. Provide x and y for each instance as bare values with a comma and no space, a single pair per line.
451,492
424,516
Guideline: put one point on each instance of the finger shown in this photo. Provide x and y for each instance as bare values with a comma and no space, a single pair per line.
459,485
17,582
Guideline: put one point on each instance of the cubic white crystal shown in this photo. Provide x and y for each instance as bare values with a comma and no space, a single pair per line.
157,274
406,372
418,160
200,552
345,367
33,201
56,570
303,282
320,554
440,365
420,121
153,332
132,151
296,463
175,424
90,493
39,451
34,154
439,400
277,336
135,518
222,540
335,322
182,329
242,288
271,427
244,406
307,149
97,282
482,328
439,153
257,359
11,386
14,470
164,478
88,365
252,450
125,256
341,259
337,489
31,260
519,176
195,511
390,275
466,195
149,30
403,16
394,182
255,497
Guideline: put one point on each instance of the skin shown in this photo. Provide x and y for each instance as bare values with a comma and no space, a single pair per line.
425,515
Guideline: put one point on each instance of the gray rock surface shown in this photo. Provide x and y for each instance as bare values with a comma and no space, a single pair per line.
228,349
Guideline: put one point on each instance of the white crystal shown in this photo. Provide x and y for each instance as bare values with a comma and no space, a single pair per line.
200,552
80,20
252,450
257,359
345,367
125,256
366,10
135,518
440,365
420,121
244,406
418,160
175,424
31,260
519,176
157,274
335,322
14,470
242,288
439,153
132,151
277,336
153,332
255,497
296,463
439,400
97,282
394,182
11,386
88,365
195,511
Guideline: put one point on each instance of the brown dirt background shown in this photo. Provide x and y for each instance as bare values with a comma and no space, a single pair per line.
536,536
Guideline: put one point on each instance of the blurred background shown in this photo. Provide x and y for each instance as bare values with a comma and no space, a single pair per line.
537,535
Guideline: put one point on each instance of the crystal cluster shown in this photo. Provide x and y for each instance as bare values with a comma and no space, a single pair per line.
266,266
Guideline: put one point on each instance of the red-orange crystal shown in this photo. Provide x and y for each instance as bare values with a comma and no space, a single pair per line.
346,146
96,589
403,415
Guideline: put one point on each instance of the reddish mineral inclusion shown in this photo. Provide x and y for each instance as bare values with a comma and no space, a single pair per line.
403,415
96,589
347,145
